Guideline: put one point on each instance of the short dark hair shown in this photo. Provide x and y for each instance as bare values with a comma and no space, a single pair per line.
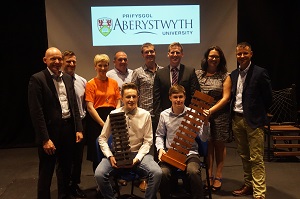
175,44
129,86
244,44
147,44
176,88
68,53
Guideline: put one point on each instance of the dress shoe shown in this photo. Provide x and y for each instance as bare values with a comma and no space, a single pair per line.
143,186
243,191
259,197
218,188
122,182
77,192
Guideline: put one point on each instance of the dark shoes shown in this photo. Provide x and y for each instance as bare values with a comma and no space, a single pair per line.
243,191
218,188
122,182
259,197
76,191
143,185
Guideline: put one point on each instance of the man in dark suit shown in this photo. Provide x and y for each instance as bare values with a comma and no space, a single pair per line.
165,78
56,121
251,98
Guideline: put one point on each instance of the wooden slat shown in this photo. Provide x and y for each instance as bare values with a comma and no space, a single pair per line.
194,120
182,142
174,158
284,128
286,137
203,96
276,146
188,132
287,153
187,138
192,127
179,148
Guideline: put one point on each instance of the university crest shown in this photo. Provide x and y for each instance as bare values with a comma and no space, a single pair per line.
104,25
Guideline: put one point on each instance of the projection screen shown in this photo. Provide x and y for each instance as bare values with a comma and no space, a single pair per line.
92,27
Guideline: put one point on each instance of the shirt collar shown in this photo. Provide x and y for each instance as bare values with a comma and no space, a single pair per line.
178,67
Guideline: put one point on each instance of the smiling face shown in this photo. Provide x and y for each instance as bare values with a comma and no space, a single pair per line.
130,98
149,54
69,64
243,55
121,61
101,68
213,60
175,54
177,100
53,60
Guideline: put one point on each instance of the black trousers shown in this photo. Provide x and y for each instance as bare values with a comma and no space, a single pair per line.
77,158
61,161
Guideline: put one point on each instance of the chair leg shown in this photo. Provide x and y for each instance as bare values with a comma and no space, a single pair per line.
207,179
117,188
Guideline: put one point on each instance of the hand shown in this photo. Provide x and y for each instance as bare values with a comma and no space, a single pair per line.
49,147
135,161
113,161
79,137
160,153
206,112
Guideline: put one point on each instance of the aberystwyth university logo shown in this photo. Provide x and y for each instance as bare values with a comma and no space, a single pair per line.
104,25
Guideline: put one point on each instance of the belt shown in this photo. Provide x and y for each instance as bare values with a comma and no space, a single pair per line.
238,114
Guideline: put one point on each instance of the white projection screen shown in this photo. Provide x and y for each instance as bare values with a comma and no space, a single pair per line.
90,27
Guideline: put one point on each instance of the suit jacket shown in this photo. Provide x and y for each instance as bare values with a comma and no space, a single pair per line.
44,105
187,78
256,96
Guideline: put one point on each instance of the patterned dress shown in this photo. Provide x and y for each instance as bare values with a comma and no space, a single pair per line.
220,120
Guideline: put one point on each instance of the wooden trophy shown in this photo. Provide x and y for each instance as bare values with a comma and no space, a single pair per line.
186,133
121,146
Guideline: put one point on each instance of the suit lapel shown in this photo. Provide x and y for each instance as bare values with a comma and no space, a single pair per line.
181,70
50,82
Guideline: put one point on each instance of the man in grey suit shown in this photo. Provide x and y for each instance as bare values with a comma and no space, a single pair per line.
174,73
56,121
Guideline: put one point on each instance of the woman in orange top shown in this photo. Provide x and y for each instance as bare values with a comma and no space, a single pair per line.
102,96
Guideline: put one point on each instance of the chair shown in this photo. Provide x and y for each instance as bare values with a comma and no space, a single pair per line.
202,150
283,124
127,175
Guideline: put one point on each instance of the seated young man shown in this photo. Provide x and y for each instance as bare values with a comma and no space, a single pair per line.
169,122
139,128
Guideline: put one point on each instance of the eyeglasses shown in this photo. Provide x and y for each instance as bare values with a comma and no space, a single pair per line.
213,57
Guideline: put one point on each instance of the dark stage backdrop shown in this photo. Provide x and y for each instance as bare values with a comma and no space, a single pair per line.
270,26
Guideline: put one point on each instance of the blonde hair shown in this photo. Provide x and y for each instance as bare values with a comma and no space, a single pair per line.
101,58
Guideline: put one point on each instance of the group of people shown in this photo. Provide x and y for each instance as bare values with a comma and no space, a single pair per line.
67,111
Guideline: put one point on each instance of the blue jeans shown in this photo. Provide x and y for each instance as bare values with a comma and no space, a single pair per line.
147,167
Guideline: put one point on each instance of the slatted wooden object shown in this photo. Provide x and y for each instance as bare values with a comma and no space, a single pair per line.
289,146
186,133
121,147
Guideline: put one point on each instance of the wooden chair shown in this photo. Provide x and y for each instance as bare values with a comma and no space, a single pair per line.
283,124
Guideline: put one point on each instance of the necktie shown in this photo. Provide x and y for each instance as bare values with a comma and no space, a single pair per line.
174,76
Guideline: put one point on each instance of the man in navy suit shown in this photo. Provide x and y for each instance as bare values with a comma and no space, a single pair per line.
56,121
251,98
164,80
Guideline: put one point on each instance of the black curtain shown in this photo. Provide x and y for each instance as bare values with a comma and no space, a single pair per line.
270,26
24,35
